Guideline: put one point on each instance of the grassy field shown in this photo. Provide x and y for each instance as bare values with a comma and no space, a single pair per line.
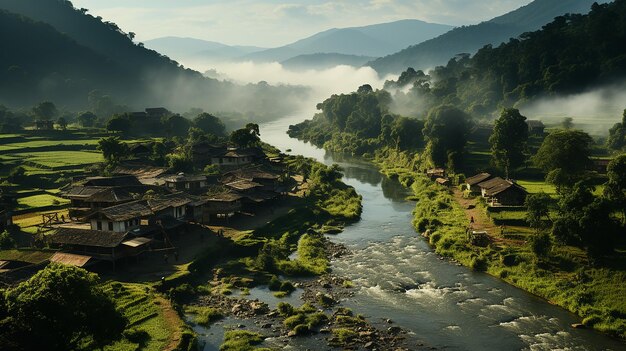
30,256
43,200
151,318
56,159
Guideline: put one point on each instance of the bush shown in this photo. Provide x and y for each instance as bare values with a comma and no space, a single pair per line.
238,340
6,241
479,264
182,292
301,329
285,309
293,321
274,284
136,335
541,244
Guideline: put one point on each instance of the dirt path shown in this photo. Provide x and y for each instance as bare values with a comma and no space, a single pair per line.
173,322
481,220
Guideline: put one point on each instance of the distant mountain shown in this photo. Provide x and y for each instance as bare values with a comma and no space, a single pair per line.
324,61
468,39
375,40
86,53
185,48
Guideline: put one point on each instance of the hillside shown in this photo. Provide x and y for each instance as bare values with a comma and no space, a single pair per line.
468,39
185,48
324,61
375,40
52,65
130,73
537,64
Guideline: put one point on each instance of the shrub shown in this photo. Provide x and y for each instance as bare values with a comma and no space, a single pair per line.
238,340
293,321
285,309
136,335
301,329
479,264
274,284
6,241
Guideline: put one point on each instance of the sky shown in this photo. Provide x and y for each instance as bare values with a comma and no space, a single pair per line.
269,23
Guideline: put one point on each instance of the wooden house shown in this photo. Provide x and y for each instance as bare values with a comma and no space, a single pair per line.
85,245
443,181
174,205
120,218
471,183
501,192
221,205
535,127
188,183
268,180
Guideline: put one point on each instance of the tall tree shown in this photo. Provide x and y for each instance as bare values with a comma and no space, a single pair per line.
119,124
45,110
177,125
564,156
615,189
62,122
509,139
445,131
87,119
617,135
538,210
113,150
210,124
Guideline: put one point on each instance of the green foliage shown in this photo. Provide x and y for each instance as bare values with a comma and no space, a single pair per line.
564,155
617,135
615,188
509,139
245,137
45,110
64,306
538,208
446,131
180,163
541,244
113,150
210,124
87,119
240,340
119,124
176,125
6,241
203,315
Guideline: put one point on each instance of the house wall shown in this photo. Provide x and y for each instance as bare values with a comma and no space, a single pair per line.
118,227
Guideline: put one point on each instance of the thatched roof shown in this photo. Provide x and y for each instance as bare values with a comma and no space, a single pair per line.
186,178
123,180
479,178
249,174
173,200
86,237
70,259
498,185
243,185
124,212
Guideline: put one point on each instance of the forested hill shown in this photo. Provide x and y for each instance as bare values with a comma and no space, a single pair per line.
131,74
569,55
468,39
39,62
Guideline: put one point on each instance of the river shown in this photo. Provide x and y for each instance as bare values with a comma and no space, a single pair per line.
398,276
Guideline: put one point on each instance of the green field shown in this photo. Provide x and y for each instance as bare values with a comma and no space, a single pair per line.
42,200
30,256
57,159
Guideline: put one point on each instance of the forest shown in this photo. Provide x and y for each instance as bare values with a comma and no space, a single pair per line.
572,54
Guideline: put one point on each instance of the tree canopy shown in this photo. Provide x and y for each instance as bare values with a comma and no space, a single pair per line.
209,124
508,141
565,156
446,131
59,308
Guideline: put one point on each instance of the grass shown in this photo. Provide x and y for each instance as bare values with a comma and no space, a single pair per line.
30,256
34,218
203,315
537,186
42,200
58,159
240,340
145,312
312,257
47,143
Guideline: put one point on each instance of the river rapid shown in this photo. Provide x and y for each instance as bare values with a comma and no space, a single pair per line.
398,276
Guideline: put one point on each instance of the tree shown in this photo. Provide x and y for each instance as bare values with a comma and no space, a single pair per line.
246,137
45,110
445,131
59,308
62,122
159,153
119,124
365,89
538,209
177,125
113,150
6,240
87,119
564,156
617,135
508,141
615,188
210,124
541,245
567,123
180,163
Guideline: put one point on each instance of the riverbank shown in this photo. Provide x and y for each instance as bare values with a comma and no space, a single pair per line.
290,258
596,294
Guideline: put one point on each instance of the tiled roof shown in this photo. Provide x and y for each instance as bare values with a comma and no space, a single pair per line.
479,178
87,237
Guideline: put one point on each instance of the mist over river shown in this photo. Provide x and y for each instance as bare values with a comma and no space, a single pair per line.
398,276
